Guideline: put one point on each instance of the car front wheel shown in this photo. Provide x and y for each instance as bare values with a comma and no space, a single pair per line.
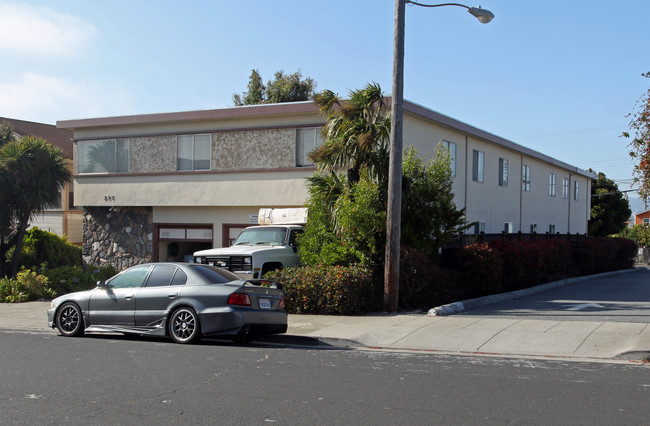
69,320
184,326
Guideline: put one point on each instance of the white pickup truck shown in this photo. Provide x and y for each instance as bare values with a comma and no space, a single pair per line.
259,249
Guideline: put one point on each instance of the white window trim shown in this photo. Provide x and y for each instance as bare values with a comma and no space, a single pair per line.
116,141
451,146
551,184
525,178
318,140
193,168
478,166
503,172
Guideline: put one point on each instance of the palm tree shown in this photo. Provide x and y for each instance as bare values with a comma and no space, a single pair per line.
356,134
37,173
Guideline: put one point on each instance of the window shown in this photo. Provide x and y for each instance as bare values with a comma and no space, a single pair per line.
503,172
576,190
646,221
565,188
533,228
551,229
130,278
479,227
477,166
307,140
452,154
56,204
104,156
551,184
525,178
509,227
194,152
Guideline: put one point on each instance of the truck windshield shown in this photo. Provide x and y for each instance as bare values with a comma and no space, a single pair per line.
262,236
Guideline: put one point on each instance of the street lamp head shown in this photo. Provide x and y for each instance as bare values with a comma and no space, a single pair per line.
483,15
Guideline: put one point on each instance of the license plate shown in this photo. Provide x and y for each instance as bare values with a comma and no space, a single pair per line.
264,303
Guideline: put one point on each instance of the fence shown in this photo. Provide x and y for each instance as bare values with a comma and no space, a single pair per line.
464,240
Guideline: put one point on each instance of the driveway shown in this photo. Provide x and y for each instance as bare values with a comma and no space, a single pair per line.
615,298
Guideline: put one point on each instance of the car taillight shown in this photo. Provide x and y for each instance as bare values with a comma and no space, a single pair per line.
239,299
281,305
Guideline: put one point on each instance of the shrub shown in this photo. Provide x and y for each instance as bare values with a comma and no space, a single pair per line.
479,269
28,285
46,247
66,279
325,289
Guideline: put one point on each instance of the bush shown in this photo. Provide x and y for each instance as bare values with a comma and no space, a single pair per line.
325,289
66,279
45,247
28,285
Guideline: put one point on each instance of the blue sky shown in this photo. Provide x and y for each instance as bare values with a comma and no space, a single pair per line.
557,76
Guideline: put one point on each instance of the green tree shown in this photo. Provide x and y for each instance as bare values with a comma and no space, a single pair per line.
640,144
638,233
609,209
356,134
430,217
255,93
283,88
37,172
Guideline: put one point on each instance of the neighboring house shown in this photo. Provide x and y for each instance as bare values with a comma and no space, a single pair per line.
63,218
158,187
642,218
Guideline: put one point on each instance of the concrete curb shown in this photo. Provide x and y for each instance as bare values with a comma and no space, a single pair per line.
456,307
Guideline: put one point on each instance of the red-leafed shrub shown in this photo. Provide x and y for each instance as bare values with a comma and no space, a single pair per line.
325,289
479,271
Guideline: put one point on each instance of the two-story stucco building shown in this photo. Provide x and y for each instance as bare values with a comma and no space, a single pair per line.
160,186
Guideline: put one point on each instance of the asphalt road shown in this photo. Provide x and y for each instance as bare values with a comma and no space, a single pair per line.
117,380
619,298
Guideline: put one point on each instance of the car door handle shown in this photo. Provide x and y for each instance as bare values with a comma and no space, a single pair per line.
128,297
172,295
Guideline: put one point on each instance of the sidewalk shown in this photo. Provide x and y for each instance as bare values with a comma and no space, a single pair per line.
441,334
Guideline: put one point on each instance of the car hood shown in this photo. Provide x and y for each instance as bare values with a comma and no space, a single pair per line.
77,296
236,250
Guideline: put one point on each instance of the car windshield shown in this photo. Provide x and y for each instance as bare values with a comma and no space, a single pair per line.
271,236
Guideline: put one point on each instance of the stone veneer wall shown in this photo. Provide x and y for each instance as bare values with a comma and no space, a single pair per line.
121,236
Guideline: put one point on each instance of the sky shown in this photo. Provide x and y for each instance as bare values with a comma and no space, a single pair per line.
557,76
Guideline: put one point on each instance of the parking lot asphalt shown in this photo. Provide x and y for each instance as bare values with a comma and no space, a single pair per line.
484,333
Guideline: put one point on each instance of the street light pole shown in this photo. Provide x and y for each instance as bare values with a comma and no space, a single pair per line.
394,208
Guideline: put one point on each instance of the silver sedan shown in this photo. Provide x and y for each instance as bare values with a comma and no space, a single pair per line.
184,301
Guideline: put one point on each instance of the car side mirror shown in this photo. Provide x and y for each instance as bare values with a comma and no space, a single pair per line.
102,284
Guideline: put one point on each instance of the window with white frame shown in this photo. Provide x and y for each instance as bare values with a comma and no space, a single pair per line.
551,229
478,171
503,172
646,221
509,227
451,147
194,152
551,184
533,228
565,188
103,156
307,140
525,178
576,190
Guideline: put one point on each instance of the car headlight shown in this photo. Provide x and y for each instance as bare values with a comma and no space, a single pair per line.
247,260
197,260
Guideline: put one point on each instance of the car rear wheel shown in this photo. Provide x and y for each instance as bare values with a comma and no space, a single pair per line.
184,326
69,320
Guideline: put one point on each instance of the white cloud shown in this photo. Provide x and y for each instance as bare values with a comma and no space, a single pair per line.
31,30
46,99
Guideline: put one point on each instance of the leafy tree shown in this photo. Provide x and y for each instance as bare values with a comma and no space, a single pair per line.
609,210
638,233
284,88
356,134
255,93
36,172
640,144
429,215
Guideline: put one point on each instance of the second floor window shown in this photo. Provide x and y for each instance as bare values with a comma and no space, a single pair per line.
194,152
565,188
451,146
525,178
576,190
307,140
104,156
477,166
503,172
551,184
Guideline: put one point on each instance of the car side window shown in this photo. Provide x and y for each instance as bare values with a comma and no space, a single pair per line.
130,278
180,278
294,235
161,276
